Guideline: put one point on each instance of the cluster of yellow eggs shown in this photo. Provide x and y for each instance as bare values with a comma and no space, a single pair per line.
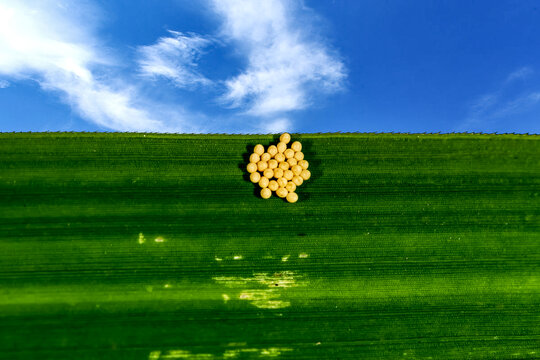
279,168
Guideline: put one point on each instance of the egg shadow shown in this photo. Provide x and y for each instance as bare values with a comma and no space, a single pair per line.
310,154
243,166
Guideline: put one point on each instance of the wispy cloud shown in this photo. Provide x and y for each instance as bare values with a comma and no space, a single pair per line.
52,43
521,73
4,84
514,106
174,57
286,65
511,103
276,126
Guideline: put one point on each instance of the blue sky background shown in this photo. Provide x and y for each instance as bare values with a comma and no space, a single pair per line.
272,66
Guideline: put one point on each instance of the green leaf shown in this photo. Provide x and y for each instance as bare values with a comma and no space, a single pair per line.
146,246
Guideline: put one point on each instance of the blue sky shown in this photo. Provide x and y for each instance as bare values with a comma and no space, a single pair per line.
270,66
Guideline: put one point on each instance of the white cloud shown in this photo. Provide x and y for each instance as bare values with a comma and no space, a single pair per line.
174,57
4,84
285,66
52,43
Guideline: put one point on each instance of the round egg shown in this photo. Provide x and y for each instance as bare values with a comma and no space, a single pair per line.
290,186
273,185
255,177
268,173
305,174
264,182
262,165
297,180
292,197
281,192
289,153
288,174
296,169
251,167
292,162
304,164
285,138
266,193
279,157
272,164
272,150
282,182
296,146
259,149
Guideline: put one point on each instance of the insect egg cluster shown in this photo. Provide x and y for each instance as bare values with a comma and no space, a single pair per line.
279,168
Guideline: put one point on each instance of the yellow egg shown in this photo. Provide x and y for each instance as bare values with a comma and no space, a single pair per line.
296,146
265,157
281,147
279,157
281,192
262,165
290,186
251,167
272,163
285,138
259,149
268,173
288,174
297,180
292,161
284,165
304,164
305,174
255,177
282,182
299,155
296,169
292,197
266,193
264,182
254,158
278,173
289,153
272,150
273,185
